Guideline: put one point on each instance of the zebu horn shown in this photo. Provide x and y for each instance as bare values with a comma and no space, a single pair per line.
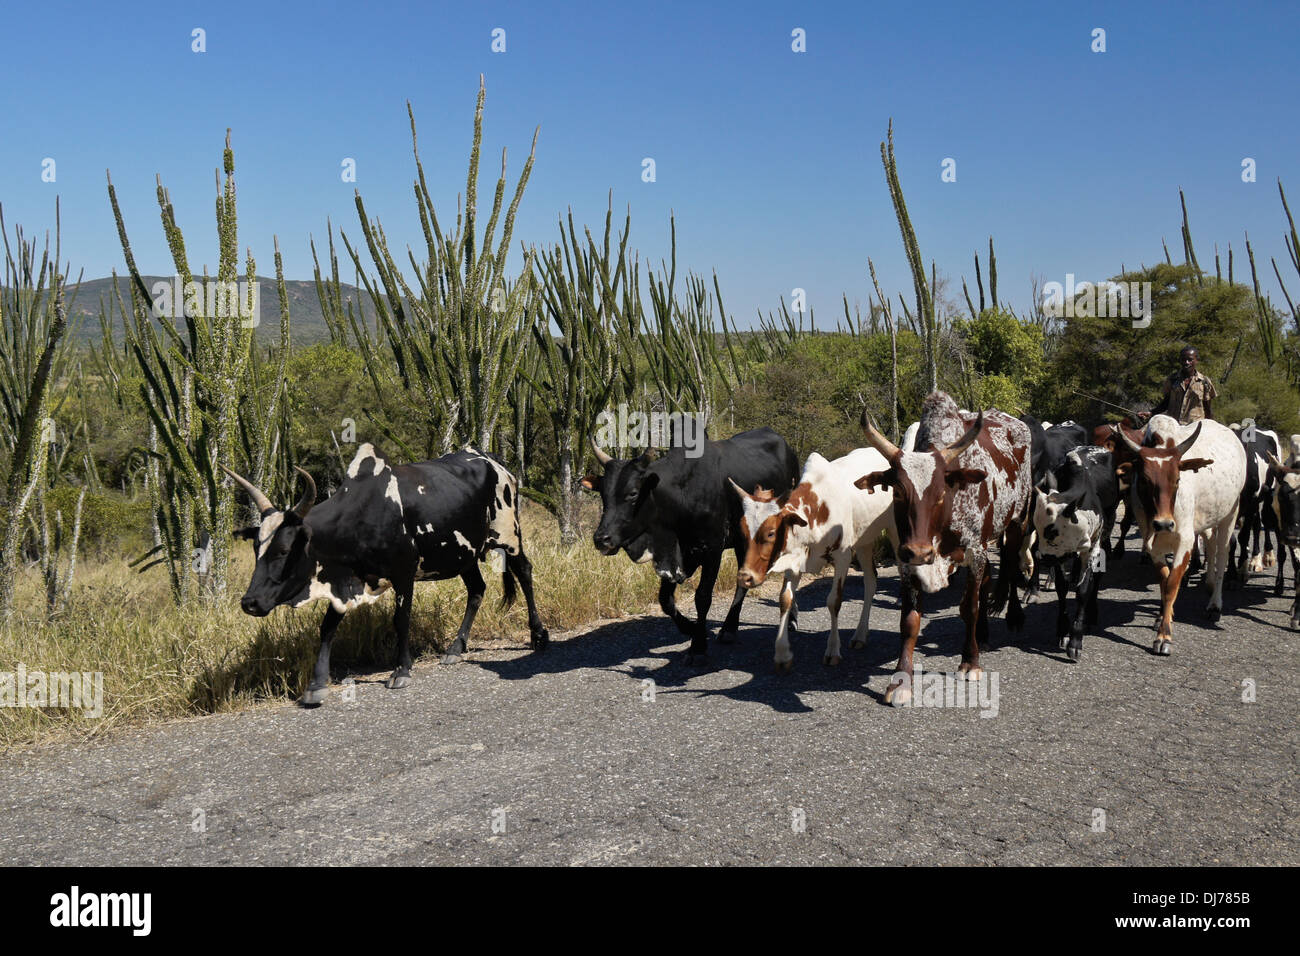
1133,446
876,440
601,457
308,496
1190,440
263,503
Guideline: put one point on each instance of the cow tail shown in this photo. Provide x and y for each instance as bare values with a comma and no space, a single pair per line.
509,591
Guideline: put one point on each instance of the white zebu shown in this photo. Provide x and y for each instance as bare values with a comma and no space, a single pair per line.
1187,481
823,520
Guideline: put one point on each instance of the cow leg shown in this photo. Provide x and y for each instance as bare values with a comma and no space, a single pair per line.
1279,585
783,661
699,648
405,591
1062,601
899,692
519,565
474,588
1012,540
1170,580
668,602
320,677
971,610
867,561
1195,566
731,626
1085,605
1216,545
834,601
1295,572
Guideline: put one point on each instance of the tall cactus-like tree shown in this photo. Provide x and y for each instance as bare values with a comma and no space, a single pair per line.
925,318
458,329
34,350
195,361
589,297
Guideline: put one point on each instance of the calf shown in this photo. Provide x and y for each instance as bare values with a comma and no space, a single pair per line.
1187,481
681,513
1286,511
1074,522
389,526
825,520
965,489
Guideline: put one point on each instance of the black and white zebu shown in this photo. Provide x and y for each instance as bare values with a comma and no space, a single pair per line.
389,526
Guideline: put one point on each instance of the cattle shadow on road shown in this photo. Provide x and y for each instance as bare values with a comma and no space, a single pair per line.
652,648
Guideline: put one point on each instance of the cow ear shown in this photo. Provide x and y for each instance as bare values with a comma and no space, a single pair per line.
648,482
1194,464
956,477
248,534
1124,469
877,479
591,482
791,516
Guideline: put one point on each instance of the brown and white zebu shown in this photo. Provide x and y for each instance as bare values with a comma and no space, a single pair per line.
1187,481
964,490
825,519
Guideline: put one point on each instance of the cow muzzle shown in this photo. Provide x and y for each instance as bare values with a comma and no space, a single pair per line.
748,579
604,543
253,607
1164,525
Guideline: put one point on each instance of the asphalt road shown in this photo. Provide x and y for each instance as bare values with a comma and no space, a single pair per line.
1124,758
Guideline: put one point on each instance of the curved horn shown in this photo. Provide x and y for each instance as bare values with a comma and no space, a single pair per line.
308,496
263,503
1190,440
739,490
876,440
952,451
1133,446
1274,465
601,457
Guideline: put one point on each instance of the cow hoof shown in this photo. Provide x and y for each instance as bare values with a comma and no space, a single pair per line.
451,657
783,667
1277,590
1074,651
1162,647
1212,614
1295,622
313,697
540,641
727,637
1064,642
398,680
898,695
858,645
697,659
970,672
1270,559
831,660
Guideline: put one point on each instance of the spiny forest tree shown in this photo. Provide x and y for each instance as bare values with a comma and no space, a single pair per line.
456,331
34,353
204,403
589,294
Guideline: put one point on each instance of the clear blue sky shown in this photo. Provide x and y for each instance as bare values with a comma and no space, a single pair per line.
1070,159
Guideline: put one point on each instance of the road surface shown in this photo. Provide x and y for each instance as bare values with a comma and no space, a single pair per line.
568,758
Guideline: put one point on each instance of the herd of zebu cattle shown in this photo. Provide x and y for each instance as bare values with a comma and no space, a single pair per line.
962,485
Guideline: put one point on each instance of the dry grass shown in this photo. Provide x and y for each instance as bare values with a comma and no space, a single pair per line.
161,662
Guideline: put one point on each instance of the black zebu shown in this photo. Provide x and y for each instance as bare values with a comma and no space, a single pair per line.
389,526
681,513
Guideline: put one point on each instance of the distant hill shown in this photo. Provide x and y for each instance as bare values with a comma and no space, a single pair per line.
306,322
